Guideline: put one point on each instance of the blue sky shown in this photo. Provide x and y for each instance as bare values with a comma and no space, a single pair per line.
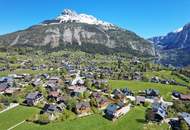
147,18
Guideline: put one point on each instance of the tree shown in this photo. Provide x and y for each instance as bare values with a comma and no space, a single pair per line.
183,125
148,114
43,119
86,94
71,103
88,83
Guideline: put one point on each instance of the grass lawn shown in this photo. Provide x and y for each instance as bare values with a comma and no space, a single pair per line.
165,74
15,115
131,121
165,90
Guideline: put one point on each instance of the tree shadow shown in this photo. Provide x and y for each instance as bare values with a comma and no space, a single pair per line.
141,121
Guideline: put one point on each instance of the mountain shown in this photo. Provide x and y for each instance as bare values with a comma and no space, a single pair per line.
175,46
81,31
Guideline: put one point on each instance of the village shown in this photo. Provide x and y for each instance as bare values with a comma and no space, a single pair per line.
85,90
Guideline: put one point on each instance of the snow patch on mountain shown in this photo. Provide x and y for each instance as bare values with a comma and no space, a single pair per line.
71,16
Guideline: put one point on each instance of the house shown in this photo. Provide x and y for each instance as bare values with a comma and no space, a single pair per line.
33,98
102,102
54,80
159,111
114,111
52,86
46,76
186,117
136,76
76,90
176,94
150,93
96,94
36,82
7,80
155,80
140,100
175,124
53,95
3,87
97,83
82,108
127,92
53,108
118,94
184,97
11,91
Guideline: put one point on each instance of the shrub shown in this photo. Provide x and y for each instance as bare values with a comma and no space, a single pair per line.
43,119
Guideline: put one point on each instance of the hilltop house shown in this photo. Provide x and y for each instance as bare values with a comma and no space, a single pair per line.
33,98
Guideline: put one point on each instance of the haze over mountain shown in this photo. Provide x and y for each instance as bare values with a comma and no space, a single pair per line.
82,31
175,46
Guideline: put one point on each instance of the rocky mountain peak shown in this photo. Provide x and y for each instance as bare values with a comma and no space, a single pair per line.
69,12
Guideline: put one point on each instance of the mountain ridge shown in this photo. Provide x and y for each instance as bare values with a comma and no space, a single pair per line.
71,28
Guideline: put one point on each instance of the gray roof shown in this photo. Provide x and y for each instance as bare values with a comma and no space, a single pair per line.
186,117
32,95
81,104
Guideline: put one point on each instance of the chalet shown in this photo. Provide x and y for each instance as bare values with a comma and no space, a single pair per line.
102,102
52,87
97,83
33,98
159,111
155,80
46,76
165,81
11,91
53,95
76,90
186,117
96,94
114,111
53,108
136,76
82,108
150,93
118,94
3,87
54,80
140,100
7,80
127,92
176,94
36,82
184,97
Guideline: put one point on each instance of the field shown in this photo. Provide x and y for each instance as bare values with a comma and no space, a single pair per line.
134,120
165,90
15,115
165,74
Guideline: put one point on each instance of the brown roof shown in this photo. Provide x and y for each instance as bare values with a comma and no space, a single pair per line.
185,97
54,94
